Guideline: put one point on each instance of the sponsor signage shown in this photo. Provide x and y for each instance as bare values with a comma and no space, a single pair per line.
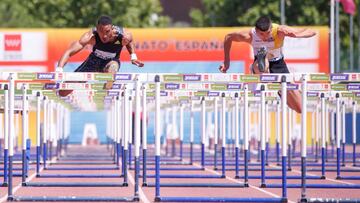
122,76
45,76
339,77
269,78
191,77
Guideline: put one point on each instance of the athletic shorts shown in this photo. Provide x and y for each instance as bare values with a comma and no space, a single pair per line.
278,66
94,64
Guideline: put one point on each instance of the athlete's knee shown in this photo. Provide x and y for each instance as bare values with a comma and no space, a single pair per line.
112,67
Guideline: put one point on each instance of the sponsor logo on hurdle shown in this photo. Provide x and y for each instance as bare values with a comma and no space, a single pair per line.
249,78
339,87
122,76
354,77
173,78
50,86
268,78
292,86
172,86
257,93
104,76
45,76
234,86
116,86
163,93
319,77
312,94
113,93
192,77
218,86
213,94
201,93
339,77
26,76
353,86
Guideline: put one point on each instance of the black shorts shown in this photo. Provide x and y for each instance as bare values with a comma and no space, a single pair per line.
94,64
278,66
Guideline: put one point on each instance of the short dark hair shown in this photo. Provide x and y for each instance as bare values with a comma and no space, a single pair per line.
263,23
104,20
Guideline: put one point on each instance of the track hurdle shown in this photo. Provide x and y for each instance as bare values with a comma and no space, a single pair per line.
11,196
197,199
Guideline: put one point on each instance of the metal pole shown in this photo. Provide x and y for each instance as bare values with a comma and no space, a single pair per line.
157,137
351,47
262,135
144,132
203,131
237,134
332,36
223,133
6,134
282,10
137,138
246,122
338,134
216,130
284,134
337,39
303,137
11,133
24,131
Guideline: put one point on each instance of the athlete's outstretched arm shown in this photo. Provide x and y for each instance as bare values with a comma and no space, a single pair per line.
129,43
287,31
243,36
75,47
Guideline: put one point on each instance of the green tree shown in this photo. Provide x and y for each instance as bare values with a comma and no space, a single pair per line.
80,13
298,12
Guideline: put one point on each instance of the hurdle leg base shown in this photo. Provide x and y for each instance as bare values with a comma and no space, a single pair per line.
323,177
237,177
223,176
263,185
246,184
125,184
289,169
144,184
157,199
10,198
284,200
303,200
5,184
136,199
215,168
338,178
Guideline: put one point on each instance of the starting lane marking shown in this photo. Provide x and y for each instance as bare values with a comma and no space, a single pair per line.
142,195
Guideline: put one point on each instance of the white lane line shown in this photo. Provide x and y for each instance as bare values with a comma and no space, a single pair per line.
237,181
312,174
142,195
17,187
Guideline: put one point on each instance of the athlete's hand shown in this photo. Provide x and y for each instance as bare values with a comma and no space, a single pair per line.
224,67
137,63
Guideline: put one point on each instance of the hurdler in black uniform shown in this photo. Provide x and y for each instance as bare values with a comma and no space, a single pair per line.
103,53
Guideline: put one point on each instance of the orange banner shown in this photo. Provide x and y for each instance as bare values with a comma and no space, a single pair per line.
182,44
